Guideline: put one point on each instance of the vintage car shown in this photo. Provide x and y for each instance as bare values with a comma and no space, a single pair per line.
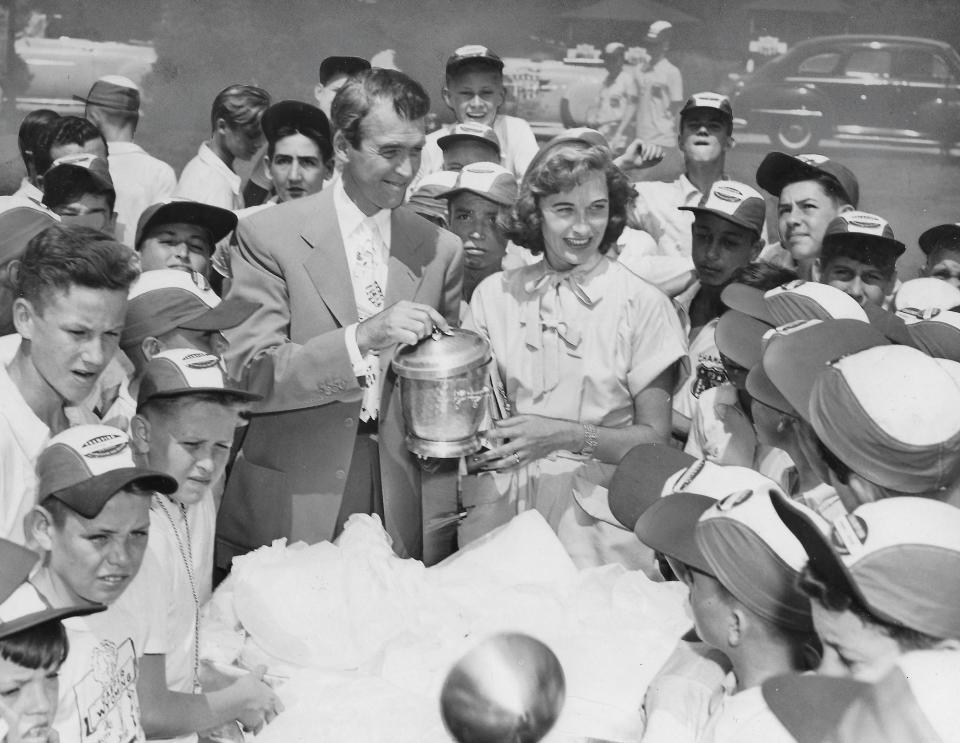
551,94
872,87
63,67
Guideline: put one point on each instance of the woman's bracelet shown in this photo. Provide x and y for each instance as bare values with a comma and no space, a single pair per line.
591,439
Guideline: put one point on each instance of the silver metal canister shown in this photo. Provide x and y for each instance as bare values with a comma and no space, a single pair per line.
443,392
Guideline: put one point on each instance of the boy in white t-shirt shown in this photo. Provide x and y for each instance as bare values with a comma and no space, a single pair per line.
187,414
91,525
474,92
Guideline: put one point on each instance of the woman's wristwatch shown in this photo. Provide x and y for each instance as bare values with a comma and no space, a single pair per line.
591,439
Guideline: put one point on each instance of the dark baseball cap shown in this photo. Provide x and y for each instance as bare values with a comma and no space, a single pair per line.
473,53
85,466
640,477
942,235
708,101
779,169
333,66
219,222
114,92
21,606
739,337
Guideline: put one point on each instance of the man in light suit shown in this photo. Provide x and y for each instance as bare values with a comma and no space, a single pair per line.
342,277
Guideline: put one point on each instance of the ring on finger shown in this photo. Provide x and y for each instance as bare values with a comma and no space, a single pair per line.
516,457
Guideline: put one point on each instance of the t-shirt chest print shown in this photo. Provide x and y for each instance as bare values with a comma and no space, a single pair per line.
107,696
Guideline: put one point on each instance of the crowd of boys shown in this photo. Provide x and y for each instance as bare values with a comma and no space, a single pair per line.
186,375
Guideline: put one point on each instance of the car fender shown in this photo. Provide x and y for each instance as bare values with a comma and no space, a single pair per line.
770,103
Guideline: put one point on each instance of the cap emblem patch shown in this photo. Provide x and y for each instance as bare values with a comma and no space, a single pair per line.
812,159
471,50
200,360
733,500
726,193
865,222
104,446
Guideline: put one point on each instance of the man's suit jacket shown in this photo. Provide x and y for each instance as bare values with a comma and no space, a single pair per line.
289,476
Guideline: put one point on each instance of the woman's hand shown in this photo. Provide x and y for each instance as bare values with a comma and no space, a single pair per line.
527,438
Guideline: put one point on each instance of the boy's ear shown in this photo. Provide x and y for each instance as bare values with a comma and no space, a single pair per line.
140,435
37,525
736,626
221,126
757,247
23,317
150,347
445,93
847,208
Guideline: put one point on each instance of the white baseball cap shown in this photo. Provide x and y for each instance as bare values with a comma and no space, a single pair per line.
735,202
927,293
489,180
186,371
809,300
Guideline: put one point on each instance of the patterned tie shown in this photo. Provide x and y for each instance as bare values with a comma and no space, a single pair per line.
369,264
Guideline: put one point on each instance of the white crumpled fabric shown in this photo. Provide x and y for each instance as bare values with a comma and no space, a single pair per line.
366,638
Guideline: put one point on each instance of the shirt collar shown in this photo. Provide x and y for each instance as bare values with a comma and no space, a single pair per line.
350,217
123,148
209,157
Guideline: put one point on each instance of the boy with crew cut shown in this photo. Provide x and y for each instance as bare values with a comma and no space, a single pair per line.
67,135
474,91
72,297
187,415
235,135
91,524
78,189
33,646
741,565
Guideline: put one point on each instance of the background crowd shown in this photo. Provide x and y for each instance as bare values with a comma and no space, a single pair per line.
194,367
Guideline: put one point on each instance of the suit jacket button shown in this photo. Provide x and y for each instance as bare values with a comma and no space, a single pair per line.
341,474
348,422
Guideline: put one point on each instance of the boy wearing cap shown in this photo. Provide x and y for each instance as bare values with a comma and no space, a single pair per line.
469,143
811,190
859,256
72,296
474,91
169,309
33,646
882,580
481,194
726,232
427,201
113,106
182,234
705,136
741,565
334,72
941,246
187,415
91,524
235,135
660,89
79,190
616,102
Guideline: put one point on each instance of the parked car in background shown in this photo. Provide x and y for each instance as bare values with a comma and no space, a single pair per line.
880,87
552,95
63,67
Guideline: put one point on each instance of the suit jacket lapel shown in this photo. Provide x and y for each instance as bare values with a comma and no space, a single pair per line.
327,264
404,273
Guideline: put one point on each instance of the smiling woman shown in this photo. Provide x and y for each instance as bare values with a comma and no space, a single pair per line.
586,352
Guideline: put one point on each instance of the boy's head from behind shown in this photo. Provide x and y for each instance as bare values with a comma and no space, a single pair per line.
474,84
68,135
187,414
72,297
79,189
740,563
33,645
882,581
93,514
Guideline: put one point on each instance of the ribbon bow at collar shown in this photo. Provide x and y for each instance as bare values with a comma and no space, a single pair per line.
545,326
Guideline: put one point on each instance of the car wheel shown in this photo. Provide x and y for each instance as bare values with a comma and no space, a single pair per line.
795,134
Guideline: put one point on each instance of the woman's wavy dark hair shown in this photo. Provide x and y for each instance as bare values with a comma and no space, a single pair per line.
561,170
